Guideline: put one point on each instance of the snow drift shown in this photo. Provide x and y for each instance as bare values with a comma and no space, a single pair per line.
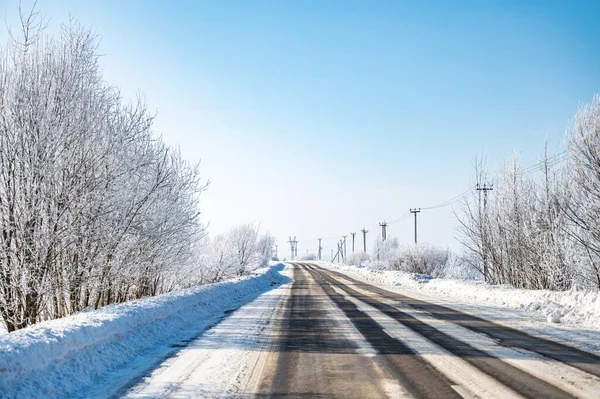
576,306
59,357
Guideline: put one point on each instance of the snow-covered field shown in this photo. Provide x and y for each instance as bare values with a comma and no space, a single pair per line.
63,357
527,310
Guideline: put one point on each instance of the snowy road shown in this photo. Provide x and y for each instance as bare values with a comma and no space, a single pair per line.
328,335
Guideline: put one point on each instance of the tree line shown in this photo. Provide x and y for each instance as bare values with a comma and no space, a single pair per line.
540,226
94,207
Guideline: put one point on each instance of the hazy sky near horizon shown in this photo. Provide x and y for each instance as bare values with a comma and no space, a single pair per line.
316,118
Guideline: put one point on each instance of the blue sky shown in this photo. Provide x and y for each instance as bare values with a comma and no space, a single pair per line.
315,118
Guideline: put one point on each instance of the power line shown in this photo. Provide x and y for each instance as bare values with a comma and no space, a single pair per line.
316,239
450,201
548,162
554,160
541,166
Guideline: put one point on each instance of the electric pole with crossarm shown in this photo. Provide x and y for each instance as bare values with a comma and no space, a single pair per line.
485,188
415,211
365,231
383,230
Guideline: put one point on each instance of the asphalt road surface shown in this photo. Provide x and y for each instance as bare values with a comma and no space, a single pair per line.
331,336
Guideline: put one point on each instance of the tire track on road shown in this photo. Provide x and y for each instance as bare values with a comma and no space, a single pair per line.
416,375
503,335
508,375
317,354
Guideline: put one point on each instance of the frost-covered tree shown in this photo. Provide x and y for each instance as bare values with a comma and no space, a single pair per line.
583,208
264,247
521,233
94,208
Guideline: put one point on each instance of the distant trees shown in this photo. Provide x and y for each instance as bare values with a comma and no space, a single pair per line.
94,208
232,254
421,259
540,228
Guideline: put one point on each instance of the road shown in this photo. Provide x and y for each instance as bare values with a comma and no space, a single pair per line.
331,336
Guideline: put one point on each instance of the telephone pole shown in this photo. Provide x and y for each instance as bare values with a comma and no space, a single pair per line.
345,253
276,247
353,235
293,244
320,248
383,230
340,252
296,246
364,231
485,188
415,211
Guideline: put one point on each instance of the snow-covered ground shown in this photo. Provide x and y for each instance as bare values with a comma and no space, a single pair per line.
102,348
223,362
527,310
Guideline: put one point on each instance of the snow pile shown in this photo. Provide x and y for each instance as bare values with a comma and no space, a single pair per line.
573,306
59,357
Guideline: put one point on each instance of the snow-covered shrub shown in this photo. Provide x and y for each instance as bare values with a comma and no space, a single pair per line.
384,253
459,268
358,258
421,259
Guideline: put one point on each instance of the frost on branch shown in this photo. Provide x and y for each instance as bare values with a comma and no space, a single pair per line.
94,208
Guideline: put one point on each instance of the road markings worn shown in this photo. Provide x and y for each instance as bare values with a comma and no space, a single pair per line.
457,370
568,378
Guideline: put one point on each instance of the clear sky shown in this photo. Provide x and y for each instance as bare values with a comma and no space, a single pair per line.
316,118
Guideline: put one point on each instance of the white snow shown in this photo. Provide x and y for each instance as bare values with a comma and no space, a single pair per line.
63,357
223,360
576,306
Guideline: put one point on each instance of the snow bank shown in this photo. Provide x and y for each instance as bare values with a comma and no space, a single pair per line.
574,306
59,357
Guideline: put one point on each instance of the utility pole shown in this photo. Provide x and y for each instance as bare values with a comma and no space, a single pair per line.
276,247
332,255
415,211
383,230
296,246
353,235
320,248
364,231
340,252
292,246
485,188
345,253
